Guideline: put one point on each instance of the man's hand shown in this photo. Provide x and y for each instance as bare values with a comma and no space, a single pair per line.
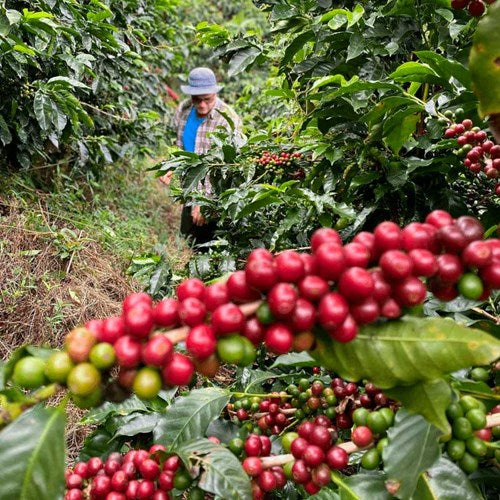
167,178
198,219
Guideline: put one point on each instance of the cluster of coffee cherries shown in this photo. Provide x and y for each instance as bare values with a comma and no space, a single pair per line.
264,480
277,300
268,415
481,153
339,287
282,163
138,474
470,434
476,8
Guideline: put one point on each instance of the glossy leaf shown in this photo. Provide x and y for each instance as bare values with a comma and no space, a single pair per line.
407,351
189,417
101,413
141,423
442,482
32,451
294,359
413,448
222,473
429,399
483,62
368,485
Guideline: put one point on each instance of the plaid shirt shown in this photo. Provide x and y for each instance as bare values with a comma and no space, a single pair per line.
210,124
213,120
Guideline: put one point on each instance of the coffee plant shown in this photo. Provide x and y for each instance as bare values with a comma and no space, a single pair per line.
346,344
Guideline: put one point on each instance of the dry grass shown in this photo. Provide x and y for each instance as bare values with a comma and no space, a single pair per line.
43,295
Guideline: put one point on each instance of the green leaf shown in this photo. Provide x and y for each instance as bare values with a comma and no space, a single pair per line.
400,127
5,135
445,481
188,417
429,399
445,67
368,485
296,45
243,59
483,61
294,359
142,423
416,72
222,473
413,447
98,415
67,82
252,380
283,11
32,452
407,351
42,106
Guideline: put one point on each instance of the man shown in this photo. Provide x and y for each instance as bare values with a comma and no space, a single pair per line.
194,119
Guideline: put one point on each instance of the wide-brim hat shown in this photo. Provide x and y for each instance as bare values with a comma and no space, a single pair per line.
201,81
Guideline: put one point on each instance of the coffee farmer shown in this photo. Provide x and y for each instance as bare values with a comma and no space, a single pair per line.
195,118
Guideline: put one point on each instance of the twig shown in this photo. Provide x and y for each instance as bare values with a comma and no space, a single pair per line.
496,319
492,420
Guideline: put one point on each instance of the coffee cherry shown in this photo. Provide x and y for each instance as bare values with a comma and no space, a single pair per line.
395,264
252,466
331,261
192,287
313,288
439,218
356,255
388,236
282,299
178,371
261,274
238,288
324,235
362,436
128,351
289,266
139,320
337,458
332,310
166,313
192,311
253,446
227,319
356,284
157,351
201,341
300,472
313,455
278,338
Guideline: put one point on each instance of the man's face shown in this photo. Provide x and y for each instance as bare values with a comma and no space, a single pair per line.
203,103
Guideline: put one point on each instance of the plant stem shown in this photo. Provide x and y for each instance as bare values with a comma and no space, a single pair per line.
492,420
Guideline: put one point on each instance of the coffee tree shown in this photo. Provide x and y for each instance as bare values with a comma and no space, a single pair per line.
363,364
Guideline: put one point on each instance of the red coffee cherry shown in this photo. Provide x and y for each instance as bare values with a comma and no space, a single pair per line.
166,480
227,319
452,239
157,351
298,447
356,284
192,311
390,309
192,287
278,338
381,288
477,254
362,436
149,469
439,218
289,266
313,455
332,310
261,274
172,463
74,481
409,292
304,429
324,235
300,472
101,486
254,331
253,446
388,236
346,332
215,295
252,466
267,481
449,268
337,458
238,288
321,475
128,351
112,329
134,299
310,263
321,437
356,255
311,488
119,481
201,341
303,316
415,235
424,262
166,313
313,288
365,312
145,490
282,299
367,240
178,371
331,261
395,265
